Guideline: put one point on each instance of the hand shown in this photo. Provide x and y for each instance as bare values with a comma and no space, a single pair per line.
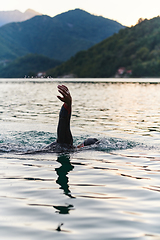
66,95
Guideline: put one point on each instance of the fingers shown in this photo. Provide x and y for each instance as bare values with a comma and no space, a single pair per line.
63,90
65,93
64,87
60,98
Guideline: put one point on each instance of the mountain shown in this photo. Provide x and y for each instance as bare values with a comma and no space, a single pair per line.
59,37
28,65
16,16
132,52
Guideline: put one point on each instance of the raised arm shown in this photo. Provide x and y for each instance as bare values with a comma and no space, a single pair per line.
64,135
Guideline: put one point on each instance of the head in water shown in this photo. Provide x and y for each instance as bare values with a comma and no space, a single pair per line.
87,142
90,141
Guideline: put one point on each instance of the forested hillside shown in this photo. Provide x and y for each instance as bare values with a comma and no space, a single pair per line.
136,50
59,37
28,66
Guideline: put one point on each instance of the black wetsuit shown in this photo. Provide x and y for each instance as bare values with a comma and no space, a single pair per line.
64,135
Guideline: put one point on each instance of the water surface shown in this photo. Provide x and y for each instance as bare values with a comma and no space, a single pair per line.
110,191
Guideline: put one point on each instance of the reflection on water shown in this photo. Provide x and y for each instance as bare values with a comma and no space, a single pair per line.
62,180
62,172
64,209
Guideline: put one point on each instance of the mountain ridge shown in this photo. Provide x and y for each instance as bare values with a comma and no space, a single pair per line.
134,51
60,37
16,16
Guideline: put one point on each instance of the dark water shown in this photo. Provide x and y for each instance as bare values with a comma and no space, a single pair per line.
109,191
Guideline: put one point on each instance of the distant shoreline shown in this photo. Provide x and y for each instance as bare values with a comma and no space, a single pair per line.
81,80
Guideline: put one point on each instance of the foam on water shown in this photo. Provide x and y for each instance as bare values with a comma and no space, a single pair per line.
35,141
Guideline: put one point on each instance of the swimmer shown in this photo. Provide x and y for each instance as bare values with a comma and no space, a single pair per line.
64,135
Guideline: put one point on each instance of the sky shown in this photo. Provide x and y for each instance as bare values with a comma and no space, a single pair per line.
127,12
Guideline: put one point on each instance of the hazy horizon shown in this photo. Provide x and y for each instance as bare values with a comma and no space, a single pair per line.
125,12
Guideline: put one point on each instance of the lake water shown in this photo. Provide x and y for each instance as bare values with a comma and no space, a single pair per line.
109,191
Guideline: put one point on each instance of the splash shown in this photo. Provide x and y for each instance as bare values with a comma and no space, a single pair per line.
25,141
110,144
34,141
